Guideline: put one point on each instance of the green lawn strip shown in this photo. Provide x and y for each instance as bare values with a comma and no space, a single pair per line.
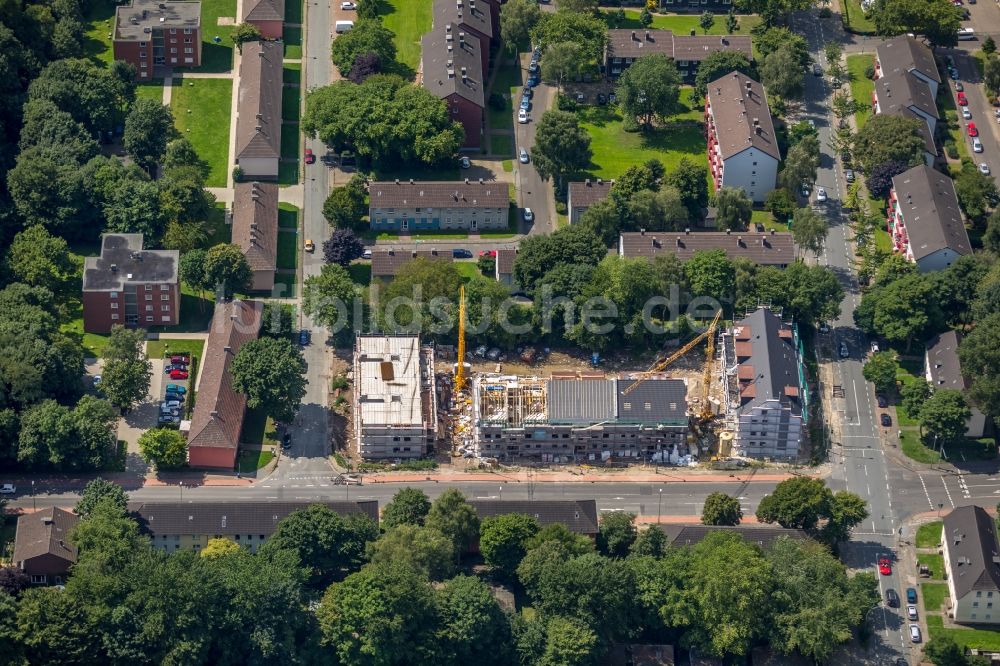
681,24
164,347
497,234
966,637
294,12
688,102
467,269
196,313
290,103
409,21
956,126
251,460
8,530
507,81
288,246
857,21
288,172
508,165
215,226
291,73
929,535
99,24
501,145
92,343
933,594
615,150
207,124
423,235
216,56
285,285
152,90
288,216
361,273
933,561
883,240
861,86
290,141
258,429
913,448
293,42
971,449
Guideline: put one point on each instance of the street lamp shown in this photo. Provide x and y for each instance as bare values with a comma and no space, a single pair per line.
659,506
33,496
181,486
501,493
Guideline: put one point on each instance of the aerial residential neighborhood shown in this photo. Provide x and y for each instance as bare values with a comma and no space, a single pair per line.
513,332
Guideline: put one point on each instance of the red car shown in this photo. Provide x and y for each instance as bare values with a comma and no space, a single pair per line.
310,158
179,359
178,374
962,99
487,253
972,129
884,566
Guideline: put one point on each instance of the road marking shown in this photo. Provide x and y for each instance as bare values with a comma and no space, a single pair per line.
947,492
926,493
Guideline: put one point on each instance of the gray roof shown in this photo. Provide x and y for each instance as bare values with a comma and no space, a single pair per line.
387,263
766,249
581,401
763,536
903,54
452,64
625,43
255,223
942,359
924,130
741,115
970,535
579,516
263,10
771,371
123,261
931,213
438,194
902,90
588,192
45,532
258,123
656,400
468,14
699,47
135,22
505,261
227,518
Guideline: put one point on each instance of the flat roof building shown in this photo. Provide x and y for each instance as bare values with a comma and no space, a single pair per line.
395,406
925,220
153,34
258,119
255,230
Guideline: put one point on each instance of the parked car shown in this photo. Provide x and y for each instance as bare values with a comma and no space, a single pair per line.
165,419
820,194
367,254
817,70
173,397
882,402
874,347
522,116
601,99
487,253
972,129
527,92
310,157
528,215
953,73
977,145
494,354
915,633
849,175
97,380
178,374
911,595
844,351
348,5
522,156
177,358
891,598
959,87
805,190
170,404
984,169
525,104
884,565
533,67
170,367
465,162
461,254
534,80
911,612
824,327
962,99
885,420
310,246
8,489
966,114
480,351
304,337
580,98
176,388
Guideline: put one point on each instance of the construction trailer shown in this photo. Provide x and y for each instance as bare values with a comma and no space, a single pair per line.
395,410
579,417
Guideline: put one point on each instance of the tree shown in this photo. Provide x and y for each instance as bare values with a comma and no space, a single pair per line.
47,189
367,36
662,210
407,300
345,206
649,89
192,270
781,76
409,506
944,416
451,515
843,105
616,534
473,628
650,542
164,447
887,138
781,203
127,372
809,230
342,248
991,75
937,20
721,509
219,547
98,490
562,147
12,582
580,6
991,238
568,642
39,259
539,254
517,19
732,208
583,27
943,651
367,9
979,355
880,369
326,543
710,273
879,179
717,65
45,124
800,165
90,93
562,62
913,395
846,511
977,193
604,220
149,125
53,627
690,179
422,549
732,23
271,373
989,46
365,65
243,33
901,311
798,503
706,21
184,237
645,18
227,269
503,541
781,38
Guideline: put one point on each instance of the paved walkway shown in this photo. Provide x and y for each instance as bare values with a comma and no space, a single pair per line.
667,475
292,194
168,90
222,194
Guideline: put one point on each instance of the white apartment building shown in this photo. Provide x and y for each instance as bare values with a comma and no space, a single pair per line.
925,221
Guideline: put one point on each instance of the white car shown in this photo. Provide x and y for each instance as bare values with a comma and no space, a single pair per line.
820,194
367,254
522,156
529,216
984,168
522,116
966,113
8,489
911,612
977,145
874,347
915,633
348,5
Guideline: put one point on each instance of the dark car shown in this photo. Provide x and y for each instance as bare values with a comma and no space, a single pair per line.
286,440
891,598
178,359
885,420
601,99
173,396
911,595
461,254
303,337
534,80
759,227
882,402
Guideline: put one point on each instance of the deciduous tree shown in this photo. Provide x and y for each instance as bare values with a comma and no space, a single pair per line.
164,447
367,36
562,62
733,208
245,32
345,206
227,269
710,273
127,372
423,549
888,138
98,490
690,179
721,509
649,89
149,125
342,247
944,415
39,259
562,147
271,373
517,19
781,75
880,369
409,506
451,515
584,28
717,65
809,230
473,628
503,541
617,533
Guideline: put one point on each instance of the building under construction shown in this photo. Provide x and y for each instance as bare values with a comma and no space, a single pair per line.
579,417
395,415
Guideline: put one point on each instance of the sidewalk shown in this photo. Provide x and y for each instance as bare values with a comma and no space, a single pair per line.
672,476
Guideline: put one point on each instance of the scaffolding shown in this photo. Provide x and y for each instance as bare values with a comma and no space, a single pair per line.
510,402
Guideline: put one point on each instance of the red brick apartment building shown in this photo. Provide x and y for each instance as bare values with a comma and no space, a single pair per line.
130,286
267,15
154,34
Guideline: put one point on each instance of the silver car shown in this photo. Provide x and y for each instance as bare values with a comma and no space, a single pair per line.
522,156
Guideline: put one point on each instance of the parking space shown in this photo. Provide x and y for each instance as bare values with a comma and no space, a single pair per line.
173,395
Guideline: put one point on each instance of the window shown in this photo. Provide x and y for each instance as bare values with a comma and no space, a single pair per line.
142,55
187,31
187,40
164,308
173,49
755,164
166,319
149,297
149,308
261,537
188,49
114,317
148,287
114,306
164,297
114,294
38,579
150,318
142,45
173,31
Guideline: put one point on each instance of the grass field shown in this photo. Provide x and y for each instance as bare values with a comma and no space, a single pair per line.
929,535
409,21
98,23
290,141
288,249
290,106
92,343
861,86
682,24
914,449
285,285
216,227
288,216
216,57
935,562
207,125
166,346
467,269
288,173
293,43
764,217
856,19
934,595
152,90
418,172
291,73
501,145
615,150
507,82
983,639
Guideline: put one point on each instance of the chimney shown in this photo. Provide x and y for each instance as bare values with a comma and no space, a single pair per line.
687,231
413,254
648,38
227,349
727,232
600,181
258,128
466,181
679,244
756,122
723,41
587,182
255,195
739,241
772,232
397,181
260,54
480,181
633,35
214,414
642,232
260,116
758,130
464,70
411,181
447,28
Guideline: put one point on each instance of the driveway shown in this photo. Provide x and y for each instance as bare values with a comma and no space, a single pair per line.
141,419
532,191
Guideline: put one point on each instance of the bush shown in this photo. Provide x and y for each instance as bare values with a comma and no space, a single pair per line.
870,72
497,102
566,103
561,207
237,174
951,150
825,12
630,124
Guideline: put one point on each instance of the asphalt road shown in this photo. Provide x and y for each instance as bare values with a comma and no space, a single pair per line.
532,191
981,109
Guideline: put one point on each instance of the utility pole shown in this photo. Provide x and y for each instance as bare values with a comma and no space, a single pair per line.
659,506
33,508
501,493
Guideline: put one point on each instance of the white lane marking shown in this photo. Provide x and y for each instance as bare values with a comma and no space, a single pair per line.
947,492
926,493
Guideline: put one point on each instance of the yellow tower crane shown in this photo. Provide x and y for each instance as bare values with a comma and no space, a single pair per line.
710,353
460,364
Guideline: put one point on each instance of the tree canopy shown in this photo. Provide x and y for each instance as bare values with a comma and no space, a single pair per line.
271,373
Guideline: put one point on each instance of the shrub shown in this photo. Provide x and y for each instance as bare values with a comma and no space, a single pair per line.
870,71
825,12
951,150
566,103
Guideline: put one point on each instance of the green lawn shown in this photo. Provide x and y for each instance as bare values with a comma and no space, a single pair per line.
288,248
361,273
913,448
167,346
290,141
99,22
252,460
507,82
285,285
983,639
497,234
861,86
92,343
501,145
409,20
8,530
467,269
288,172
293,43
196,313
856,19
288,216
682,24
293,11
929,535
152,90
933,594
764,217
935,562
216,57
291,73
290,103
883,240
693,110
218,230
615,150
202,113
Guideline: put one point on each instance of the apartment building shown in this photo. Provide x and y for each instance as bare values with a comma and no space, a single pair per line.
421,205
769,248
267,15
130,286
742,147
580,196
688,51
154,34
904,94
764,386
572,417
395,404
943,370
255,230
258,111
924,219
905,54
453,71
972,565
386,264
473,18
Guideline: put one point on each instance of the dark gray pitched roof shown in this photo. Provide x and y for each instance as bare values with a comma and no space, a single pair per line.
579,516
902,90
773,362
736,102
942,357
438,194
226,518
263,10
931,213
904,53
255,223
258,121
970,535
45,532
656,400
766,249
123,261
466,14
626,43
453,64
588,192
762,535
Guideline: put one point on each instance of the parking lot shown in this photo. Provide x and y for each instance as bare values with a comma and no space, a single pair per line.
174,394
